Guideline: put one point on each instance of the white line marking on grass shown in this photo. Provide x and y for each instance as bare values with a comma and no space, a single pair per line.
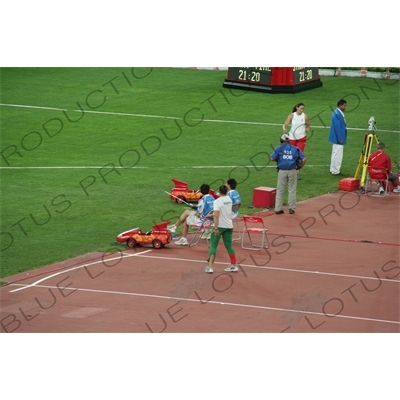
36,107
176,118
164,167
78,267
236,166
113,292
74,167
90,111
273,124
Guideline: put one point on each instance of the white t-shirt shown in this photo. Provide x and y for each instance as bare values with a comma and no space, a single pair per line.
224,205
298,127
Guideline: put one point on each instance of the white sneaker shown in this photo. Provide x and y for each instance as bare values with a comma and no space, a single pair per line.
182,242
209,270
380,189
171,228
396,189
232,268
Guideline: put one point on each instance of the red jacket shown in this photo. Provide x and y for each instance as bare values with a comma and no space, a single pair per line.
380,160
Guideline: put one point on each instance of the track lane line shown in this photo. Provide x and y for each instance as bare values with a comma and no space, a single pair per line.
253,306
36,283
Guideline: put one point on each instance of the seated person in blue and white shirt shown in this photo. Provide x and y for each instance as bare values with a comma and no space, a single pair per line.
190,217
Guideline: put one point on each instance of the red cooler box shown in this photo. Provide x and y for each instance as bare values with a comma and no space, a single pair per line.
349,184
264,197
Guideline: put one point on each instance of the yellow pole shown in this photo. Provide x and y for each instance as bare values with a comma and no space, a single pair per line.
363,161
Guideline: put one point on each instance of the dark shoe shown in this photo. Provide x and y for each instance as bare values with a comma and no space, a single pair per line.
291,211
279,212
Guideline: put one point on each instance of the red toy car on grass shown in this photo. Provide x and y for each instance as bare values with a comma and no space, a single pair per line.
182,194
157,237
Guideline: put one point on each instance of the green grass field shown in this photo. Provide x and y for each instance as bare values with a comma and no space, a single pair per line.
97,147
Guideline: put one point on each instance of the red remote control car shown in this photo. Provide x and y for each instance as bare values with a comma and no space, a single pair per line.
157,237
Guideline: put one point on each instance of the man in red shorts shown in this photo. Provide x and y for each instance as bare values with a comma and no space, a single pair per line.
381,160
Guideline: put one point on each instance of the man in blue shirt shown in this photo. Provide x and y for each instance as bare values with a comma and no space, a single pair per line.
338,137
286,157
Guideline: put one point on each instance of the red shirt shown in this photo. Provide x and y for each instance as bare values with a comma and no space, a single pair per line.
380,160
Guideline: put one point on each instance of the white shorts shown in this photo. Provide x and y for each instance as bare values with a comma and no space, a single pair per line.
192,219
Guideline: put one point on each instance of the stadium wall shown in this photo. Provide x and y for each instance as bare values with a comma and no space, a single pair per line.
363,72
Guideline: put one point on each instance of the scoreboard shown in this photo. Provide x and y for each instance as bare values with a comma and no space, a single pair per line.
273,79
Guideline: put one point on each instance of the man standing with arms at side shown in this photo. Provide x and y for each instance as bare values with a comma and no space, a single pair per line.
286,156
234,195
223,228
338,136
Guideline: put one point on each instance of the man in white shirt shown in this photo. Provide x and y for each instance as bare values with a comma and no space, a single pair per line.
223,228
